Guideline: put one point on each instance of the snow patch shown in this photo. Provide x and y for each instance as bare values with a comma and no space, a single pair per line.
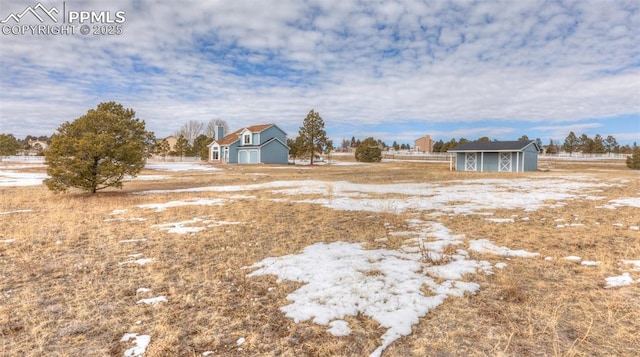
388,286
159,207
153,301
486,246
141,343
17,211
339,328
618,281
590,263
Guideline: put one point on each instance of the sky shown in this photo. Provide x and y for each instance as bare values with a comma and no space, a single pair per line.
394,70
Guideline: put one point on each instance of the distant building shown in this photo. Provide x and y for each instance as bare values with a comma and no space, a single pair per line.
172,141
424,144
257,144
38,145
497,156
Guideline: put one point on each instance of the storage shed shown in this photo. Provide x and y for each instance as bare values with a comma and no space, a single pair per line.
497,156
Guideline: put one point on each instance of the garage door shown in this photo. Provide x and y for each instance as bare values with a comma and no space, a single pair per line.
253,156
243,158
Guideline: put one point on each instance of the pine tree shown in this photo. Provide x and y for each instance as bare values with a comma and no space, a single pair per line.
369,151
182,147
611,144
200,146
294,147
586,144
97,150
162,148
598,145
8,145
633,161
571,143
312,134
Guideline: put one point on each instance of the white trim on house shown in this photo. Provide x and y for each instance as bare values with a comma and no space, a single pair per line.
246,137
247,154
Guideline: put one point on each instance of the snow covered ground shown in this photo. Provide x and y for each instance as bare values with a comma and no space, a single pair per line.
388,285
11,175
394,287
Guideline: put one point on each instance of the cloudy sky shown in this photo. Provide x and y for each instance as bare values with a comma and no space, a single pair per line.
395,70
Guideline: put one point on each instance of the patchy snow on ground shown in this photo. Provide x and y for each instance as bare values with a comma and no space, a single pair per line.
194,225
133,240
622,202
16,211
590,263
388,286
500,220
634,263
158,207
11,178
457,197
573,258
485,246
153,301
141,343
141,261
393,287
618,281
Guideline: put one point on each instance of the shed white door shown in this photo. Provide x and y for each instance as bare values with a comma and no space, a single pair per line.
504,164
470,161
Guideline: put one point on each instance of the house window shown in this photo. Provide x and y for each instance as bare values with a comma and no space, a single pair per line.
247,139
215,154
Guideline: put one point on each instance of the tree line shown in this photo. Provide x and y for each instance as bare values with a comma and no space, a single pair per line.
192,139
10,145
597,145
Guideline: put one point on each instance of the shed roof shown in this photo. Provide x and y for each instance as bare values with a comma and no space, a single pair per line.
493,146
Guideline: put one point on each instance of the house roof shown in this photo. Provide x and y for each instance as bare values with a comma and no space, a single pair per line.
258,128
233,137
229,139
493,146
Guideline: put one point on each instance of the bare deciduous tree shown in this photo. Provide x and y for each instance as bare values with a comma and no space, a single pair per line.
190,130
210,131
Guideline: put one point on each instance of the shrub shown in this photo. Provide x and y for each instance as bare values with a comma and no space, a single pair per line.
369,151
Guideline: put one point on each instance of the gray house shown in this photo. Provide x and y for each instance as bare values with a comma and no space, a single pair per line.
498,156
257,144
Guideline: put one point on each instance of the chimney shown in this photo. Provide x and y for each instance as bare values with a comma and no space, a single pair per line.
219,132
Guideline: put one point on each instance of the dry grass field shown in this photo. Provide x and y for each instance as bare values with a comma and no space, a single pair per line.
75,269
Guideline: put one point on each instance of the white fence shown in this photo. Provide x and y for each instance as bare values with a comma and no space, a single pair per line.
22,158
175,159
583,157
417,156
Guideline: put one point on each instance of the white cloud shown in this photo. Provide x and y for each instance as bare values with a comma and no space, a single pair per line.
392,62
